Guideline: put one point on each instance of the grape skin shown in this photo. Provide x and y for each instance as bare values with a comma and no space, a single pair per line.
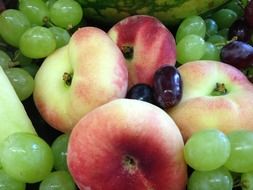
22,82
237,53
207,150
219,179
13,24
26,157
35,10
37,42
190,48
66,13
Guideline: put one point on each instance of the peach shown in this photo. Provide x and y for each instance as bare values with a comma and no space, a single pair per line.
147,45
127,144
215,95
84,74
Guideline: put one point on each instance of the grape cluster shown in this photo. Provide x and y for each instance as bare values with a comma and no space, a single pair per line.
220,161
223,35
31,32
29,159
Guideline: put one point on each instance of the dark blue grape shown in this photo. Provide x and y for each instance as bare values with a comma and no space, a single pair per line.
240,30
142,92
237,53
167,87
248,14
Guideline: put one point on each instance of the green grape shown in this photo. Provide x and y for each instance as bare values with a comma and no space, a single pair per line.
59,148
61,35
240,159
191,25
219,179
217,39
22,82
26,157
5,60
37,42
9,183
236,6
66,13
211,52
58,180
36,11
247,181
207,150
13,24
211,27
190,48
224,18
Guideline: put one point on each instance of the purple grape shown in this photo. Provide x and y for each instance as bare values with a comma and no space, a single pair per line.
240,30
248,14
142,92
237,53
2,6
167,87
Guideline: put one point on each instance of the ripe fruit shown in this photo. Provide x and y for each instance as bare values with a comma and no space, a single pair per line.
237,53
142,92
79,77
215,95
168,86
13,24
26,157
147,45
127,144
207,150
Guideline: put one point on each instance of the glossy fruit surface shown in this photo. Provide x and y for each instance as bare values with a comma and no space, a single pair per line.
35,10
143,92
22,82
58,180
167,86
224,18
238,54
66,13
219,179
207,150
26,157
37,42
240,159
190,48
59,148
4,60
13,24
9,183
191,25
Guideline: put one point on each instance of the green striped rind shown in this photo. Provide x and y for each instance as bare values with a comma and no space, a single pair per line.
170,12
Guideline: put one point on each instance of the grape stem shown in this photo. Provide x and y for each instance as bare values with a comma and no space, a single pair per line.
221,44
47,22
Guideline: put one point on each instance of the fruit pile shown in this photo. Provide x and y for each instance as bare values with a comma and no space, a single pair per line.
137,104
